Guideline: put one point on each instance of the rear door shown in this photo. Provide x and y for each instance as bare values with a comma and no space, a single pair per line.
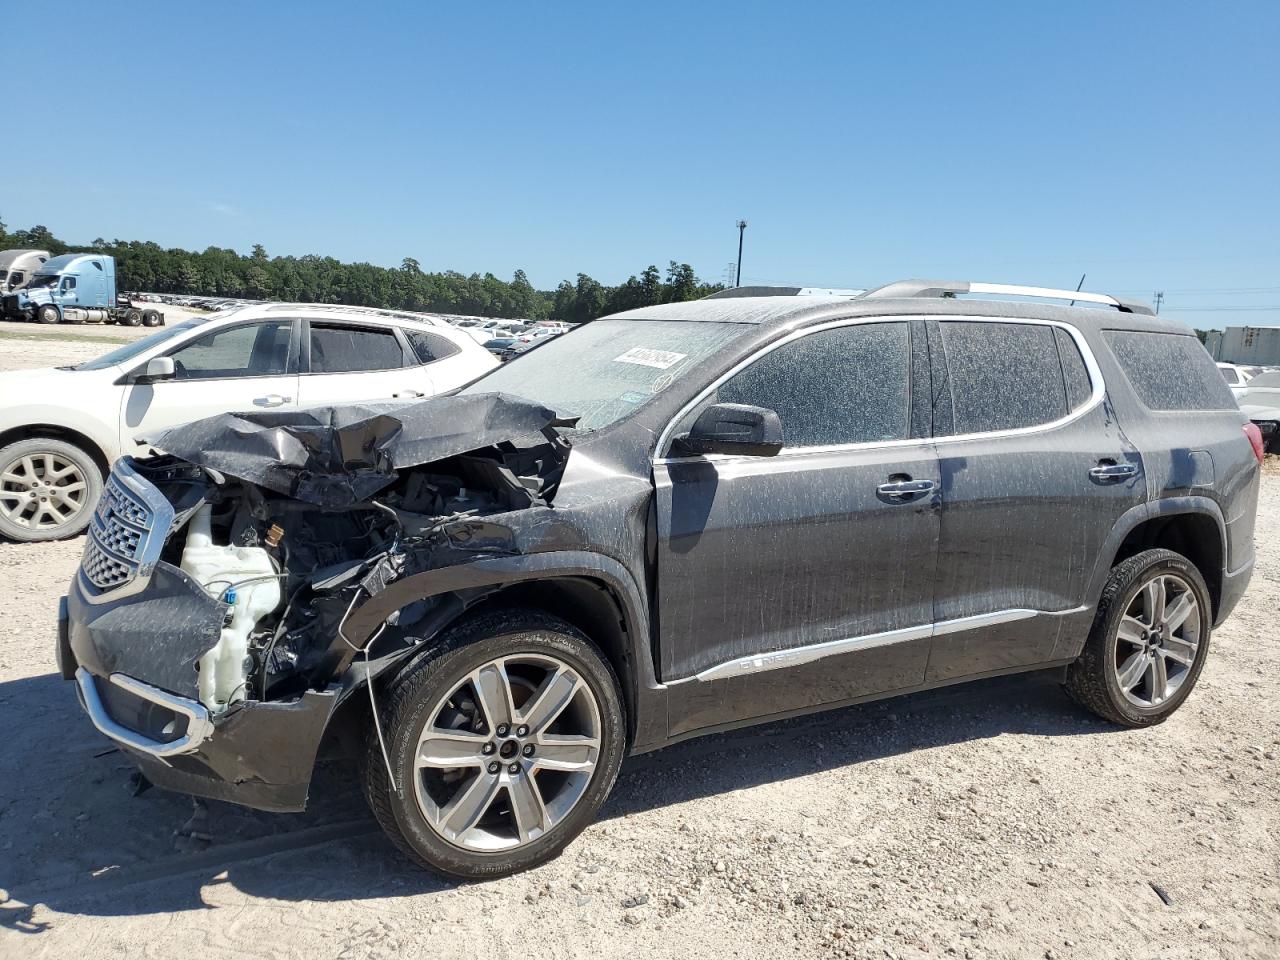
1035,473
354,361
804,578
247,366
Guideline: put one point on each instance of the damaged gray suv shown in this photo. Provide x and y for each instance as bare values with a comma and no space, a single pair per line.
670,521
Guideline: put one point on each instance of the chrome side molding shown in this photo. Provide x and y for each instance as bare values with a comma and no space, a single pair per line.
758,663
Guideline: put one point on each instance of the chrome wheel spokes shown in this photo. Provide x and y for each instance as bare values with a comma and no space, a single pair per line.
508,753
1157,640
42,490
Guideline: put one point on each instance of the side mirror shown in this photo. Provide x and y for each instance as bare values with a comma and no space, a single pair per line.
733,428
157,368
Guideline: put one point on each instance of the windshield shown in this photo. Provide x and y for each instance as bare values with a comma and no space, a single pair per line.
43,280
130,350
604,371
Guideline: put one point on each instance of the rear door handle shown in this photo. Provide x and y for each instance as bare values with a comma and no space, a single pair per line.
904,491
271,400
1113,472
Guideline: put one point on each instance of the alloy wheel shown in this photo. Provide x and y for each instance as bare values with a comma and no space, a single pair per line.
41,491
508,753
1157,640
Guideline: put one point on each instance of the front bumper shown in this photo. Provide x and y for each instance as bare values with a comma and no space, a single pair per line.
258,754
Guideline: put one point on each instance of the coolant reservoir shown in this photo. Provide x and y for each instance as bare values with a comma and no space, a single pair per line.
245,573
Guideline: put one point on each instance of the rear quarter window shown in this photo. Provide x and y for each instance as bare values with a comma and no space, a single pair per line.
1170,371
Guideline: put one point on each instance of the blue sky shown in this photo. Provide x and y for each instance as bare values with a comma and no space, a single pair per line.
1027,142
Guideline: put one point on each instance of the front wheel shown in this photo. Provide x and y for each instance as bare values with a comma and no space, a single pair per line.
48,314
1149,641
504,741
48,489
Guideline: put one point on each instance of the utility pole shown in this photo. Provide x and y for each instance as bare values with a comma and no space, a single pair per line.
1159,299
742,226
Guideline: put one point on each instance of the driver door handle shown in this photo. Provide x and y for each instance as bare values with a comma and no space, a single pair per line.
272,400
407,395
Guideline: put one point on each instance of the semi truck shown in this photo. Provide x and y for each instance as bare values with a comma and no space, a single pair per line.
77,288
17,267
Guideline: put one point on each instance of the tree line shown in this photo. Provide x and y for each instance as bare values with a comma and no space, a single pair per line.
220,272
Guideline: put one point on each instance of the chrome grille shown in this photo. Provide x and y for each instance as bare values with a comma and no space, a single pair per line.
120,527
103,570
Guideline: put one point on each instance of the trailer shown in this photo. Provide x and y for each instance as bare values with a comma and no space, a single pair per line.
77,288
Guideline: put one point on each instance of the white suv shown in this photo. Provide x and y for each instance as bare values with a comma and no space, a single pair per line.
61,428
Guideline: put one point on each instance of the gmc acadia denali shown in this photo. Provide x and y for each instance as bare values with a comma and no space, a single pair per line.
670,521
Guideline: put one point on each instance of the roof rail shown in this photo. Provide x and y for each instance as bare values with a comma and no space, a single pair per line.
731,293
943,288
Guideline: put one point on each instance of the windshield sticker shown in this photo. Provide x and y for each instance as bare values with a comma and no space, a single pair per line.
634,396
661,359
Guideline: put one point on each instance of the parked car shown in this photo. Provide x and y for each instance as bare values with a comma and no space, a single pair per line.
61,428
732,510
1237,376
1260,401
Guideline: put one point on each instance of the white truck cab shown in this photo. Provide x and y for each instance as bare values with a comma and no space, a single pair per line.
61,428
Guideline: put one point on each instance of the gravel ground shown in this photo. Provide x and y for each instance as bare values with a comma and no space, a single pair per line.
990,820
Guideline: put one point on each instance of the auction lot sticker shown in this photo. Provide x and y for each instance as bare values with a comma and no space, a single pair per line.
650,358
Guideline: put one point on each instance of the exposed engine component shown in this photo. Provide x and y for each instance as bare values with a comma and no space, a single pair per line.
248,581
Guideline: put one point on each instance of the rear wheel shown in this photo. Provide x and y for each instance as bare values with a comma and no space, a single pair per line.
48,314
132,318
151,318
505,740
1149,641
48,489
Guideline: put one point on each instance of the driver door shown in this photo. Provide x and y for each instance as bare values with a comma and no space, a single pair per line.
245,367
805,578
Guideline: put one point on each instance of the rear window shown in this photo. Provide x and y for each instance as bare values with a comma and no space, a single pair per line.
1170,371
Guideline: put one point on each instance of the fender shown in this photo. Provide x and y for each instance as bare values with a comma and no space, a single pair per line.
648,695
1136,515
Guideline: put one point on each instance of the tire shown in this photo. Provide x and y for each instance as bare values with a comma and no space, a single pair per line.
151,318
131,318
1097,680
48,314
65,474
435,686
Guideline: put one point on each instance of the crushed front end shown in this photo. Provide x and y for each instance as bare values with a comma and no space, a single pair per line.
204,628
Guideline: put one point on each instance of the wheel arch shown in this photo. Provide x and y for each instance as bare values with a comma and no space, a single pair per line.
592,593
1191,526
51,431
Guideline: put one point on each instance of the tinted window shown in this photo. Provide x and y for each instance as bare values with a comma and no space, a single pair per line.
251,350
847,385
1002,376
1170,371
1079,389
337,349
1230,375
430,347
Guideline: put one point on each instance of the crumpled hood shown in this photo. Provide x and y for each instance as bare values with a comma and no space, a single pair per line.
336,456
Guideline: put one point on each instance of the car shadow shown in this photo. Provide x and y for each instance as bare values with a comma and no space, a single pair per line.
73,837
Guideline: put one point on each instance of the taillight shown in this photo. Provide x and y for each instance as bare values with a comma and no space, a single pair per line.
1255,439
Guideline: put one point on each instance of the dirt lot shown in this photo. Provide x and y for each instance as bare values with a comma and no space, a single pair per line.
993,820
